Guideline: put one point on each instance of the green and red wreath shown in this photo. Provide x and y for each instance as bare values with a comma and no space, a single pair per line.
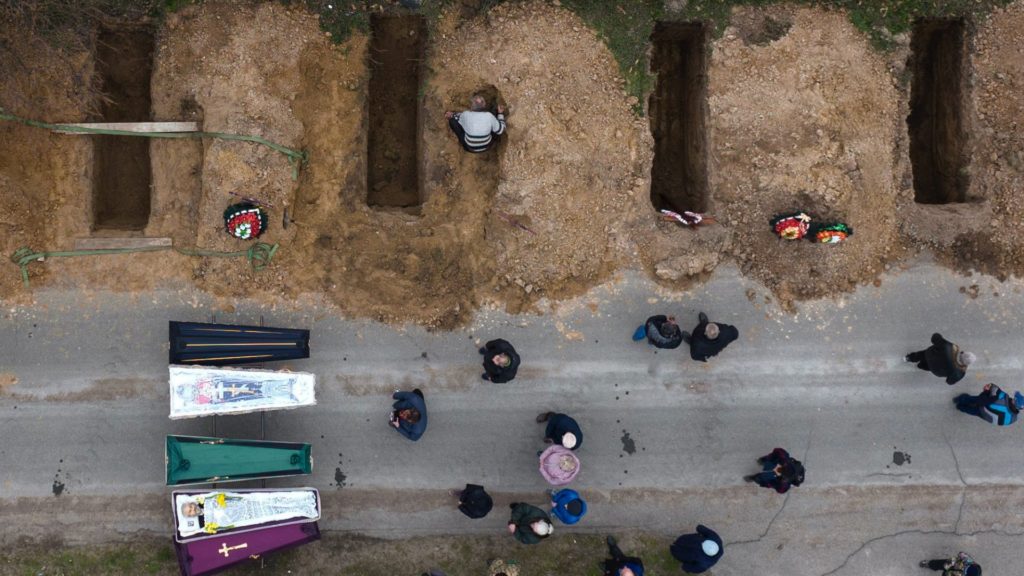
245,220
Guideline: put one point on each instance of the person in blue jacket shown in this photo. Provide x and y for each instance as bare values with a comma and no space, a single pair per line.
698,552
409,414
567,505
992,405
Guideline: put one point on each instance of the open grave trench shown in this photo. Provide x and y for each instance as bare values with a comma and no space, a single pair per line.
936,123
122,175
678,112
397,46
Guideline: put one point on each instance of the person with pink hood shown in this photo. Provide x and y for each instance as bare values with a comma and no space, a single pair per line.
558,465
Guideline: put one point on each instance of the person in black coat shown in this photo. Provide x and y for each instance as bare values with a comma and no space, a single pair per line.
474,501
779,470
698,552
562,429
619,564
942,358
500,361
709,338
661,332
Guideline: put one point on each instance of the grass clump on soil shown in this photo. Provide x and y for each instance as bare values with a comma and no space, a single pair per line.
625,27
69,24
881,20
461,555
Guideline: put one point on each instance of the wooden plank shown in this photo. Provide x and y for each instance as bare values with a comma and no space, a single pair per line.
145,127
106,243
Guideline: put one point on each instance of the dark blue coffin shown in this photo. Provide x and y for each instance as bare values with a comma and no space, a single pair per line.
195,343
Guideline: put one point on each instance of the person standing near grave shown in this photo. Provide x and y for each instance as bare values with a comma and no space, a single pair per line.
943,358
477,128
698,552
409,414
779,470
474,501
567,505
500,361
661,332
562,429
529,524
709,338
960,565
619,564
992,405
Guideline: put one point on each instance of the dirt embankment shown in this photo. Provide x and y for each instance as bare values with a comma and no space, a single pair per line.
801,114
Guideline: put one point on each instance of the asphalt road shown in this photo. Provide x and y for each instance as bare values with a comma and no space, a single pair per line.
894,473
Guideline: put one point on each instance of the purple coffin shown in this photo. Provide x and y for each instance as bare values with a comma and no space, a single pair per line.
201,557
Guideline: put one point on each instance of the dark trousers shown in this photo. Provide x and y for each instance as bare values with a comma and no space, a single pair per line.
618,560
453,123
920,359
969,404
937,565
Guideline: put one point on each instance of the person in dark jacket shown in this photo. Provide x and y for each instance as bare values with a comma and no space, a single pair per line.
992,405
779,471
529,524
474,501
698,552
567,506
943,358
619,564
960,565
409,414
500,361
661,331
709,338
562,429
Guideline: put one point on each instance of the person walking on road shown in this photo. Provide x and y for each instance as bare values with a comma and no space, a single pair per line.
409,414
992,405
619,564
477,128
709,338
698,552
529,524
943,358
558,465
500,361
959,565
561,429
567,506
779,471
661,332
474,501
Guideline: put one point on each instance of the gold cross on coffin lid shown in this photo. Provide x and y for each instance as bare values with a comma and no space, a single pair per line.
225,549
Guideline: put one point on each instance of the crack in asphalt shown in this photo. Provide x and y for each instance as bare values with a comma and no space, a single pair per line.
922,533
956,526
963,492
785,500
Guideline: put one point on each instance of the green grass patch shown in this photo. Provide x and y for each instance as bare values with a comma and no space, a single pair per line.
878,19
625,27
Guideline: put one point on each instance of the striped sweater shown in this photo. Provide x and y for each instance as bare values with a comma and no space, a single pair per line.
479,127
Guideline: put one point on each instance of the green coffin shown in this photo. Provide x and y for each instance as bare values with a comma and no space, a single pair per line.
196,460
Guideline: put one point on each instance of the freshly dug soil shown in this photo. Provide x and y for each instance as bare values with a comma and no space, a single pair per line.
802,114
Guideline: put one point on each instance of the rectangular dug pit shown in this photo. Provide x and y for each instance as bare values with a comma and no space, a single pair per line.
121,167
396,62
678,116
937,133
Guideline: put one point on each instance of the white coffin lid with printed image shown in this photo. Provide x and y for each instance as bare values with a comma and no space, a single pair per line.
202,391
